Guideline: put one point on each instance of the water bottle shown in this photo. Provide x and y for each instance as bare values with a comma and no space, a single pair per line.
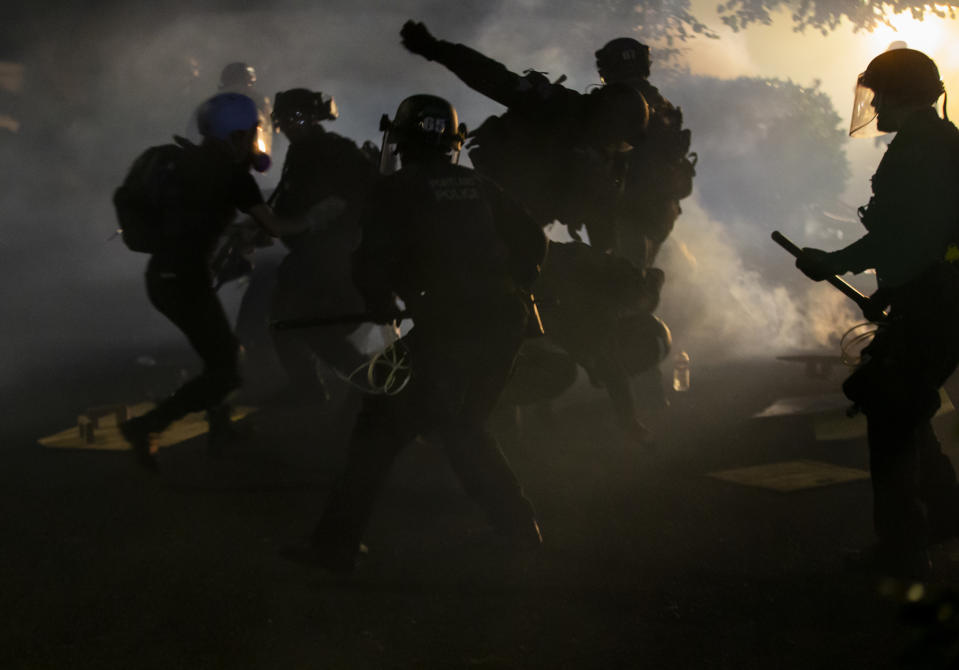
681,372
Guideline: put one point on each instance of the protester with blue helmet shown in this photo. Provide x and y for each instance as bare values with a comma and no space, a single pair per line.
195,192
228,113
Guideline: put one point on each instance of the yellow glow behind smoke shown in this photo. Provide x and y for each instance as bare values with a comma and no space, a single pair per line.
11,77
7,122
936,37
926,35
776,50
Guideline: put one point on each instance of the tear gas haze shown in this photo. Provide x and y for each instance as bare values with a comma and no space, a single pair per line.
101,83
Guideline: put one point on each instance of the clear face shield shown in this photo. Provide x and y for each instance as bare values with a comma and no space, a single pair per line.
865,114
390,160
298,120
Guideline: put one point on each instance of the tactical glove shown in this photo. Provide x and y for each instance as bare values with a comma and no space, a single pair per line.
818,264
418,40
875,307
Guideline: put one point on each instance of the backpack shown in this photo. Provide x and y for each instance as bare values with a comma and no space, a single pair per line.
669,144
529,160
147,195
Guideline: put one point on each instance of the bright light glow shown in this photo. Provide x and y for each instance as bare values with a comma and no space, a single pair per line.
915,593
936,37
9,123
926,35
11,77
261,145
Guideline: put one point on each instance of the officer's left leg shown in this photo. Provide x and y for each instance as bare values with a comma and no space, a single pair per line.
937,486
384,426
481,467
473,452
899,517
898,409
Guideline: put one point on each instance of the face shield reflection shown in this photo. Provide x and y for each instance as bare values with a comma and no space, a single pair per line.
389,160
863,122
431,131
264,135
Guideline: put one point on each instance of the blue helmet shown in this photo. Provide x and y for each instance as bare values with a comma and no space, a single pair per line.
226,113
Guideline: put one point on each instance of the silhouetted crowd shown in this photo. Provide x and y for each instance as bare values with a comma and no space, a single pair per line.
379,236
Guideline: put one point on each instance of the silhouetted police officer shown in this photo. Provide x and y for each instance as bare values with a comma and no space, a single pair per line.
658,173
559,152
461,256
197,197
911,223
326,179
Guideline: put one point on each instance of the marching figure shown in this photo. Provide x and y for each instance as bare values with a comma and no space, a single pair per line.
461,256
911,236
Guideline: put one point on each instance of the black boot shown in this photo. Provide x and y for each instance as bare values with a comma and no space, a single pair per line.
139,432
223,434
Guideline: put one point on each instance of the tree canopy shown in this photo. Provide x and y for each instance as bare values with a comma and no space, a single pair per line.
771,152
672,21
826,15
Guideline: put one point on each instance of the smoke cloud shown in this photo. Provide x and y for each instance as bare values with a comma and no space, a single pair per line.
103,82
720,308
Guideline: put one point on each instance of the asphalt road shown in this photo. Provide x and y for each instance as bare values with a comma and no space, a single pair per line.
648,562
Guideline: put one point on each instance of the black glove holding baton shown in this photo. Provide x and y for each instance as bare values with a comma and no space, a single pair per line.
821,265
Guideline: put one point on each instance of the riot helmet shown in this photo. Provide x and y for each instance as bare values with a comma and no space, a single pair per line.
895,77
224,115
237,77
423,124
299,109
623,59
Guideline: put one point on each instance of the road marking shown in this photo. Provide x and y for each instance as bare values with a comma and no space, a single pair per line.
106,436
790,476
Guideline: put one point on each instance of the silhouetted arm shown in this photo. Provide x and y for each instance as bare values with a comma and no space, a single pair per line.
481,73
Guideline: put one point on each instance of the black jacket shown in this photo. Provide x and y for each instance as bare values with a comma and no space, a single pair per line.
913,214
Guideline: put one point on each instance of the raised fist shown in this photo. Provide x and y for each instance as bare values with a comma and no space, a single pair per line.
418,39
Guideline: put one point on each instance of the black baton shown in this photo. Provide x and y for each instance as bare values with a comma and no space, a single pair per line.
848,289
319,321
